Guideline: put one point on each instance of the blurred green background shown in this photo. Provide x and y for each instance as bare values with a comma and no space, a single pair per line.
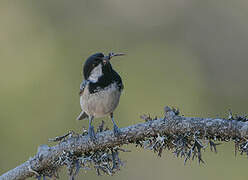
191,54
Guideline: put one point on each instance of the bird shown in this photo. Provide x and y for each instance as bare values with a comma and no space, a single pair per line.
100,90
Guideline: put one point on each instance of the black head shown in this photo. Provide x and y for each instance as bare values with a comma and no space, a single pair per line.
91,62
96,59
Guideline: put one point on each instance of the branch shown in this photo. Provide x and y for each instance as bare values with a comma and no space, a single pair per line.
173,130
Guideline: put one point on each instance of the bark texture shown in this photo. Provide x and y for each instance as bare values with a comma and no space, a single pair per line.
49,158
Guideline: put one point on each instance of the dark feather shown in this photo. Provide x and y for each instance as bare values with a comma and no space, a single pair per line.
109,77
94,59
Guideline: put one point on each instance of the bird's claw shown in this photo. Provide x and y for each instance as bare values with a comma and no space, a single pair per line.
116,130
91,133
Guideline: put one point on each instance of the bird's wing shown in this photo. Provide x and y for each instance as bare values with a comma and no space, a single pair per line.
82,115
82,86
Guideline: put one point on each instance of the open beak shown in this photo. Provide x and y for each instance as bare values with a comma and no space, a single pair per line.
116,54
107,58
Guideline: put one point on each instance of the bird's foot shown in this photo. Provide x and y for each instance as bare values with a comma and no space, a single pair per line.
116,130
91,133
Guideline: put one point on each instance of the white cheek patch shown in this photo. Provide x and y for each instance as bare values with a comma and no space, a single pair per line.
96,73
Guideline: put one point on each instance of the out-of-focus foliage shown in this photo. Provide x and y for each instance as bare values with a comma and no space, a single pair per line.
191,54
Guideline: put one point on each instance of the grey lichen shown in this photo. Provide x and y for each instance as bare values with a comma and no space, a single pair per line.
104,161
185,137
188,143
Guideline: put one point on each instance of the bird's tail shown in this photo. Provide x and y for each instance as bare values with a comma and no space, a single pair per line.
82,115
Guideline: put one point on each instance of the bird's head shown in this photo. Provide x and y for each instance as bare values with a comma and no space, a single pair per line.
97,64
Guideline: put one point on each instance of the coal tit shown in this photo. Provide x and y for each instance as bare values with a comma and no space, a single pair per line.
100,90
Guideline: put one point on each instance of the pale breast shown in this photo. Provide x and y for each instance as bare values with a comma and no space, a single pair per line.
101,103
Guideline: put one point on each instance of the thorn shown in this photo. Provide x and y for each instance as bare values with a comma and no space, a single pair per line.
123,150
60,138
146,117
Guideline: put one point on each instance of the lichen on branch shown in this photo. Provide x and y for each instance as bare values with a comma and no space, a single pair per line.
184,136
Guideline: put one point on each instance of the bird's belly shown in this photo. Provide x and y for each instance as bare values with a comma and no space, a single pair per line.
101,103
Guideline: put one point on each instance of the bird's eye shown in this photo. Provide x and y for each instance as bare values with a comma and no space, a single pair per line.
95,62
